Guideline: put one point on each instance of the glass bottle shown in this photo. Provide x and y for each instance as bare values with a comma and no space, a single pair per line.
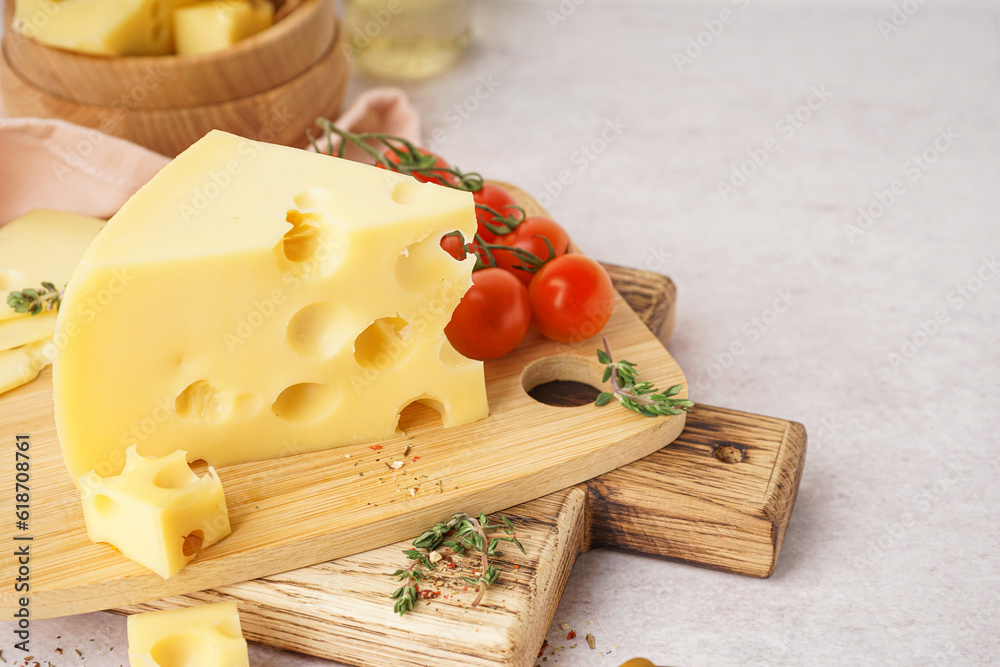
407,39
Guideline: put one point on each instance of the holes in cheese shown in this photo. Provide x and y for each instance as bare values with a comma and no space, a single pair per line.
311,245
157,512
420,265
312,198
317,331
204,635
107,508
384,344
192,543
421,413
408,191
184,649
230,627
304,402
308,301
202,401
302,241
174,477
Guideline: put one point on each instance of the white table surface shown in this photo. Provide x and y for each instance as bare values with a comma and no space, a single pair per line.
892,553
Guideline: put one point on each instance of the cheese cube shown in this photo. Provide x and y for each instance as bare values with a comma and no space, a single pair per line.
257,301
206,636
100,27
42,245
217,24
157,512
23,364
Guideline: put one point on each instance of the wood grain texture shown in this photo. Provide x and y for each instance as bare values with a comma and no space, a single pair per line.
280,114
685,503
341,609
716,517
309,508
254,65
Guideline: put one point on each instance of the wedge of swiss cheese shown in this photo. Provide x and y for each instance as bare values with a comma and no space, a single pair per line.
254,301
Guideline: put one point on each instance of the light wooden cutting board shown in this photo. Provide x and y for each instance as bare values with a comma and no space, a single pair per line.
720,496
309,508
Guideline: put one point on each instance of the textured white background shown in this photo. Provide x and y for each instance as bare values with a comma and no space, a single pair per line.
892,554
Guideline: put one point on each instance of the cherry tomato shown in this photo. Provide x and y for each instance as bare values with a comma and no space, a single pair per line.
500,201
441,178
492,317
453,246
571,298
530,235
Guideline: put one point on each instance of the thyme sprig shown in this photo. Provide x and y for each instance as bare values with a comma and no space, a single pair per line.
469,534
641,397
35,301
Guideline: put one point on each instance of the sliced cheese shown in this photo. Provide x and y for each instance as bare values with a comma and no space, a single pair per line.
217,24
101,27
42,245
254,301
157,512
207,636
23,364
23,330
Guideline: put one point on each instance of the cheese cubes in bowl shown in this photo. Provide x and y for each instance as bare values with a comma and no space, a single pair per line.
142,27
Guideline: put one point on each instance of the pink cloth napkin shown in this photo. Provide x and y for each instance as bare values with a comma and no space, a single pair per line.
385,110
54,164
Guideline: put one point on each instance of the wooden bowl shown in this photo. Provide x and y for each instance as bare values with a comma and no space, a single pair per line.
271,86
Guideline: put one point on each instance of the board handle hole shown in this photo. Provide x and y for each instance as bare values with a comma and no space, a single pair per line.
729,453
563,381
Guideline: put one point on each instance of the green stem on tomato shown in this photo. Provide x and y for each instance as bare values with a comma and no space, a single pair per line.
411,160
505,224
529,261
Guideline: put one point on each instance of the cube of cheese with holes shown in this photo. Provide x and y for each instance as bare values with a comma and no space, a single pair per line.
217,24
208,636
120,28
254,301
157,512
